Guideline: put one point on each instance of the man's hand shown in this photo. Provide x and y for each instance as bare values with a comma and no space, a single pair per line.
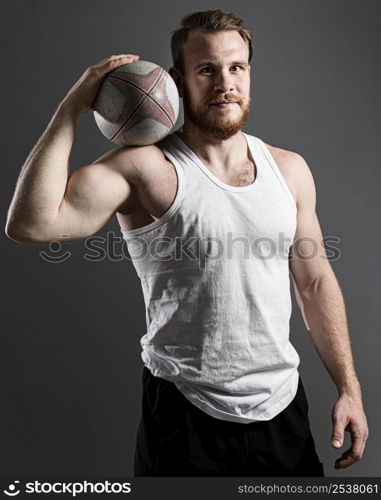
348,415
81,96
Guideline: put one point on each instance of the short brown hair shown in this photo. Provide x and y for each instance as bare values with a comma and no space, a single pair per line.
207,21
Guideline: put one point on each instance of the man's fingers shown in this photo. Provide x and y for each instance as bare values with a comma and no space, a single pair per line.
353,454
348,415
346,460
116,58
338,433
107,65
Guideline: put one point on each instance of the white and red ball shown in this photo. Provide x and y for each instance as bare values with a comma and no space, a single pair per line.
137,104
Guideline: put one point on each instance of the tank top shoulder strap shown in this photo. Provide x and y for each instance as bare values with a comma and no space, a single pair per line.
170,149
276,171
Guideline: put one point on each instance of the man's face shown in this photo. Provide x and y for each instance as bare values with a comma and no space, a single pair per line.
216,70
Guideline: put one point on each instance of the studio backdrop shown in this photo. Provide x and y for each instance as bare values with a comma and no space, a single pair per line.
73,313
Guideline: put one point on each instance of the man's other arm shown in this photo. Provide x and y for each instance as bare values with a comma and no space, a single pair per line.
324,310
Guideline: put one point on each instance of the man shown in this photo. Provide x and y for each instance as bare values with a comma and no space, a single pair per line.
222,394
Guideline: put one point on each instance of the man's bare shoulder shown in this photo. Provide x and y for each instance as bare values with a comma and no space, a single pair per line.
287,159
150,178
294,169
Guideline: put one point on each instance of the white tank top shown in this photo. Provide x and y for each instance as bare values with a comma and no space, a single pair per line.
215,277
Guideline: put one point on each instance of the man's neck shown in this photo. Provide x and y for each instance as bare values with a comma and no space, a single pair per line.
221,153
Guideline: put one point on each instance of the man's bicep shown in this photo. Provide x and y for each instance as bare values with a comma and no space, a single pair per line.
94,193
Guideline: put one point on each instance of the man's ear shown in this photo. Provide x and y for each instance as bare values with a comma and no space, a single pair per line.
178,78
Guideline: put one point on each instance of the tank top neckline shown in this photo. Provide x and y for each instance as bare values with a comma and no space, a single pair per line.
255,153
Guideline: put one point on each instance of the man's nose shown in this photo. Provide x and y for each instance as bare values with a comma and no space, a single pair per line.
223,82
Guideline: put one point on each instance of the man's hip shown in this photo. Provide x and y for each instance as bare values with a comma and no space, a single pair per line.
175,438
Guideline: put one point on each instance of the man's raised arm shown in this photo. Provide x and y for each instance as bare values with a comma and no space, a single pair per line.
36,210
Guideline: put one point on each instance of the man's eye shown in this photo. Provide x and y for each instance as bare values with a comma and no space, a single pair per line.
208,69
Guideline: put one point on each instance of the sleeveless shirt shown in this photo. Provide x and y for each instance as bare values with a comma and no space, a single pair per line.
215,278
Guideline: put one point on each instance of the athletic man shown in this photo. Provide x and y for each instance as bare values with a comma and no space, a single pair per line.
215,221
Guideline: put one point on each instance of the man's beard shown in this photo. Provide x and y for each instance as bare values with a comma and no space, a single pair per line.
217,124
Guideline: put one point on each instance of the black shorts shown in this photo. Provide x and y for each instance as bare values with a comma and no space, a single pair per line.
175,438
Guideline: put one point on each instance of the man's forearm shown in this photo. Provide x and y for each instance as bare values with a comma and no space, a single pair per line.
43,178
325,312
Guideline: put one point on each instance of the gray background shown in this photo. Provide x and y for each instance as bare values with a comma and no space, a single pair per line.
70,355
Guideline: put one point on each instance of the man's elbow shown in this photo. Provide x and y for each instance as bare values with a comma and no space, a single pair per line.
20,235
309,288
